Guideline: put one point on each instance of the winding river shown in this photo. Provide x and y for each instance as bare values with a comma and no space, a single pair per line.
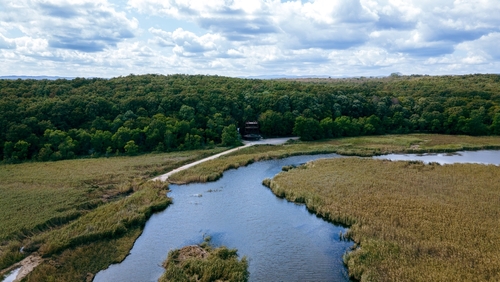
282,240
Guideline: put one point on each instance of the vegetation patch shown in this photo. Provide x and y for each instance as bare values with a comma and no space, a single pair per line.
204,263
411,221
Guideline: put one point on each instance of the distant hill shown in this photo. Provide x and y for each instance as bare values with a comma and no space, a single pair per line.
278,76
40,77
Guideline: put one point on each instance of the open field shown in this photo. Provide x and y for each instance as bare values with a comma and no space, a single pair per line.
411,222
49,207
358,146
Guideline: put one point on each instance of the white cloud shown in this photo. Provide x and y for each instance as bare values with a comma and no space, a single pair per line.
241,37
82,25
6,43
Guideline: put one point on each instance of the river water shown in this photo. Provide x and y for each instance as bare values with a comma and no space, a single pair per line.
479,157
282,240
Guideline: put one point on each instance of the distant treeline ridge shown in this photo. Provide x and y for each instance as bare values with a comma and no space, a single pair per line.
60,119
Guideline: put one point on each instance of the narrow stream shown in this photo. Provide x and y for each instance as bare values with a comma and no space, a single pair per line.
282,240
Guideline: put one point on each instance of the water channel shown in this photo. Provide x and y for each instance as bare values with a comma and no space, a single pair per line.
478,157
283,241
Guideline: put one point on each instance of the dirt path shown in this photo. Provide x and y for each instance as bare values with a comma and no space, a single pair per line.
270,141
25,267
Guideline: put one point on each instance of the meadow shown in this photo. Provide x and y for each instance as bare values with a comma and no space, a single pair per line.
411,221
91,206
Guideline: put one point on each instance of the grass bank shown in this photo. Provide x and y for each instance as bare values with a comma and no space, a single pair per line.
204,263
354,146
412,222
59,209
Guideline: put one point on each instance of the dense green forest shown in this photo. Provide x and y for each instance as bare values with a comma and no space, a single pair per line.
61,119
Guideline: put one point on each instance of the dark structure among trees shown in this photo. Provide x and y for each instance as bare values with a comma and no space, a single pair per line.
251,131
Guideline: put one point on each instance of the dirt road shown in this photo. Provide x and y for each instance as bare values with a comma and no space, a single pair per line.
270,141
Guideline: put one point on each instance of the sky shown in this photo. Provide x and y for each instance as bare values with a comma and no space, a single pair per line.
242,38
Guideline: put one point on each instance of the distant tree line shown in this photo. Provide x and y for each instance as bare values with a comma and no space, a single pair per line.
62,119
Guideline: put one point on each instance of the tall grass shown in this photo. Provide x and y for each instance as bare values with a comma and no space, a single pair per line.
50,206
411,221
82,262
351,146
204,264
107,221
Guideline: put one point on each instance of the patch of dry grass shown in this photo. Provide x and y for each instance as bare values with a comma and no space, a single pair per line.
413,222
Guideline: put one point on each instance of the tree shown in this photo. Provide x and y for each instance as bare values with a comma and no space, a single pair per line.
230,136
186,113
307,128
271,123
495,126
101,140
131,148
328,127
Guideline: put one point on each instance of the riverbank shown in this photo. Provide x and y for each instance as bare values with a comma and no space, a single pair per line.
80,215
354,146
411,221
42,199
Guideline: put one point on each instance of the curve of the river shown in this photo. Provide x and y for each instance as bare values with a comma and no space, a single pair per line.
282,240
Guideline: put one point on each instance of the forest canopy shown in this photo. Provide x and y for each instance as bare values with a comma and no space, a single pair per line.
61,119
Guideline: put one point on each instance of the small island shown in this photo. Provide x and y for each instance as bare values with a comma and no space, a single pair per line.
204,263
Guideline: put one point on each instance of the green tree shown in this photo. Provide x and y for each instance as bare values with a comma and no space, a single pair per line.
191,142
121,137
495,125
131,148
8,149
186,113
21,149
307,128
271,123
328,127
230,136
101,140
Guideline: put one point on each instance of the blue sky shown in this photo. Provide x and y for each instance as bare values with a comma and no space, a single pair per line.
104,38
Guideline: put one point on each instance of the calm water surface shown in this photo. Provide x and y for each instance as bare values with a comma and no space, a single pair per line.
282,240
10,277
480,157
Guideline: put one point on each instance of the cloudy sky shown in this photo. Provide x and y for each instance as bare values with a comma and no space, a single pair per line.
107,38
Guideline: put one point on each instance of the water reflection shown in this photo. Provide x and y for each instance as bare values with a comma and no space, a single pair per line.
480,157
